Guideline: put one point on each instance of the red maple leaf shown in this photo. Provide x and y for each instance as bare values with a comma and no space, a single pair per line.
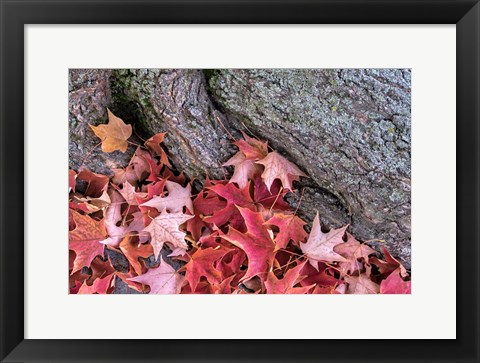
389,265
89,205
154,145
168,174
244,169
156,189
101,285
140,163
114,220
137,169
319,246
85,239
203,264
394,284
178,197
132,250
272,199
114,135
72,180
225,287
209,239
162,279
126,276
256,242
128,193
232,262
353,251
203,207
235,197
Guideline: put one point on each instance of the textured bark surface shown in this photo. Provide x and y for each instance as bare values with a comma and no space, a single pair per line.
88,99
176,101
349,130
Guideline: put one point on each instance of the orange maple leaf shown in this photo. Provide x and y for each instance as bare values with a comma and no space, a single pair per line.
114,135
85,239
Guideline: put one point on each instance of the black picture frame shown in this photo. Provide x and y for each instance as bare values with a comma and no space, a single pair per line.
15,14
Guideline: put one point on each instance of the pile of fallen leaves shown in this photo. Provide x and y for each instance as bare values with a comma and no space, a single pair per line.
234,236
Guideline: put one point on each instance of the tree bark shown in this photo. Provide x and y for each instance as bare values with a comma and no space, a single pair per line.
349,130
89,96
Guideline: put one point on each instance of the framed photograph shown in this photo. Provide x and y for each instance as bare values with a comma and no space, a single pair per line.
179,212
317,159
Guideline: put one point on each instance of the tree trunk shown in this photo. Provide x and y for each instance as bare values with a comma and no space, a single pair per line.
349,130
